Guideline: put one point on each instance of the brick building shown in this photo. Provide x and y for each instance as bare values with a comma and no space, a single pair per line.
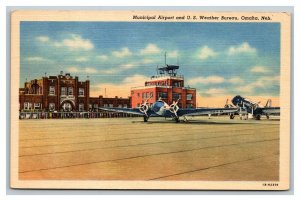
63,93
167,85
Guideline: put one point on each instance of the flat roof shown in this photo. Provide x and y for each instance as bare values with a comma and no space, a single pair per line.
153,86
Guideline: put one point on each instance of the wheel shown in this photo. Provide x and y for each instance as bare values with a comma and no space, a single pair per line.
231,116
257,117
268,117
146,119
177,119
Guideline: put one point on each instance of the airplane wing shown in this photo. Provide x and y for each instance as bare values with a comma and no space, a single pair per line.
204,111
135,111
271,110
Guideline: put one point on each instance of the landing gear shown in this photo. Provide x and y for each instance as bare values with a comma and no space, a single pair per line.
257,117
185,119
268,117
146,119
176,119
231,116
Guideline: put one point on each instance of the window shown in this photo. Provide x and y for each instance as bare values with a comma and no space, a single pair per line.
51,107
81,92
138,105
63,91
143,95
189,96
162,95
37,105
176,96
26,106
51,90
177,84
111,105
189,105
125,105
105,105
90,106
81,107
151,95
138,94
70,91
120,106
95,106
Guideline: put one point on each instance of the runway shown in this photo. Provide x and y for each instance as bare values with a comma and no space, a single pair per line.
216,149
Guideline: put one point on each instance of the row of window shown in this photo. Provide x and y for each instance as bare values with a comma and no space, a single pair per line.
164,95
146,95
66,91
119,106
29,106
189,105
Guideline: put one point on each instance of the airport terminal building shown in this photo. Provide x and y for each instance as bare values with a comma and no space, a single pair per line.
167,85
64,93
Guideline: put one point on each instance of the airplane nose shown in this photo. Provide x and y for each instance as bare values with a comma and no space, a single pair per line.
234,100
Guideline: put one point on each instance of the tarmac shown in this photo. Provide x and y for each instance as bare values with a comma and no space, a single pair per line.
216,149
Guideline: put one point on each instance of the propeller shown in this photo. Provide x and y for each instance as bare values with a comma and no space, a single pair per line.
144,107
174,107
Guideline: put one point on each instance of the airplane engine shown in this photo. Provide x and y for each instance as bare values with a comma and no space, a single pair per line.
144,108
174,108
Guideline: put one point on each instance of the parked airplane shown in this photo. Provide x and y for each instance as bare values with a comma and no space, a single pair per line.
251,108
162,109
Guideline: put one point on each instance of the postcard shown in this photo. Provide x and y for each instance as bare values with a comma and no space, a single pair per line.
183,100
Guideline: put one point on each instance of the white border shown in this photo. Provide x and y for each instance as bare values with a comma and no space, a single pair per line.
3,101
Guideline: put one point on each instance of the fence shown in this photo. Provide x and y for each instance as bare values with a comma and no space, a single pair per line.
70,115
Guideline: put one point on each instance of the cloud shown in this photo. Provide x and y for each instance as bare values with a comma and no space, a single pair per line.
150,49
75,42
119,69
90,70
122,53
173,54
261,83
74,69
37,59
110,71
259,69
147,61
235,80
206,80
127,66
206,52
121,89
215,91
43,38
102,57
242,48
81,59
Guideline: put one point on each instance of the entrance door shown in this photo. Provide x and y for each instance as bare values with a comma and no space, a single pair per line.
67,107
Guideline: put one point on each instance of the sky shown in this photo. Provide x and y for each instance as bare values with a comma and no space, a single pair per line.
218,59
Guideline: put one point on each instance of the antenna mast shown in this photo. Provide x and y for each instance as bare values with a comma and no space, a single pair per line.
165,58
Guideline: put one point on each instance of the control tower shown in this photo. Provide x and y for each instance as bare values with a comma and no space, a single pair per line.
168,85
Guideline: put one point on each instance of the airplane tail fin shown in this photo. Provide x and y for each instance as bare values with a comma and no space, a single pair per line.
227,105
269,103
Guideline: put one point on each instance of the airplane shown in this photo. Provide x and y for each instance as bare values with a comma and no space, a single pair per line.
162,109
250,108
